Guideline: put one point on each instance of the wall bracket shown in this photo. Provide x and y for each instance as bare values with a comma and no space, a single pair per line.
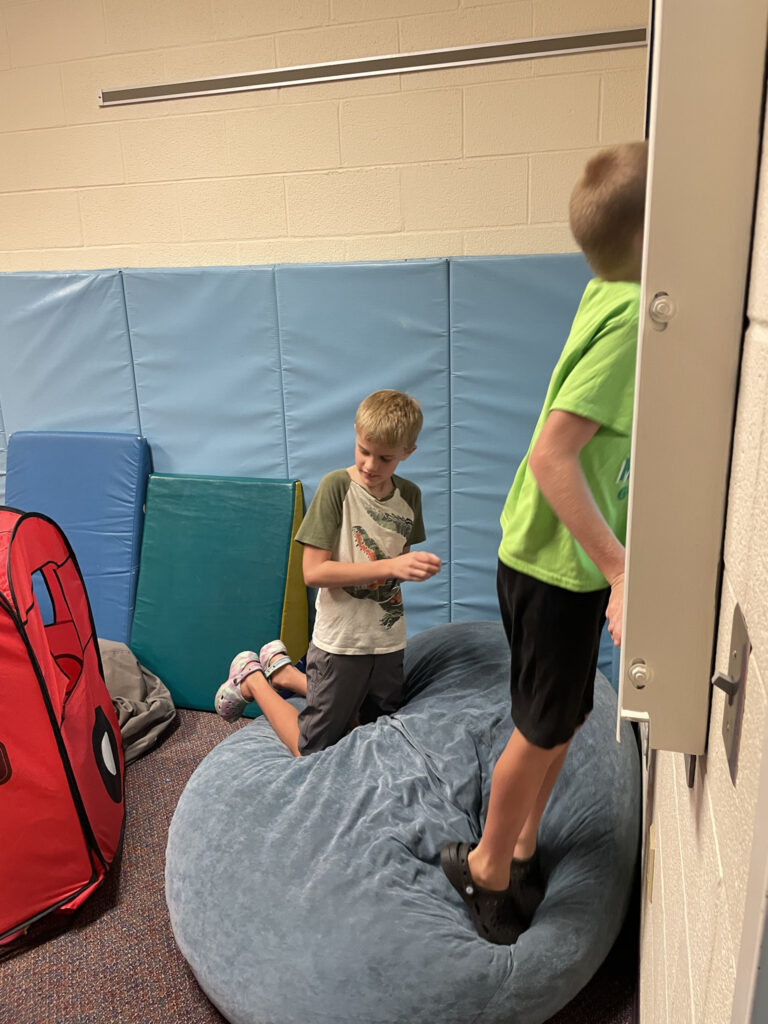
733,684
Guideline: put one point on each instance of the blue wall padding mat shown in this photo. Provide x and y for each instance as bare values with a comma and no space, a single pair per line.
347,331
257,371
214,578
509,321
207,360
66,354
93,486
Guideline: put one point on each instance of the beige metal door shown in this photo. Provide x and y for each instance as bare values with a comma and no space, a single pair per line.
708,67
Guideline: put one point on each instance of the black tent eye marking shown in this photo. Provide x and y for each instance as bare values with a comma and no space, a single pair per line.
106,754
5,765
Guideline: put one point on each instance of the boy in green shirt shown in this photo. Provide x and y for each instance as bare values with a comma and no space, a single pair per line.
561,559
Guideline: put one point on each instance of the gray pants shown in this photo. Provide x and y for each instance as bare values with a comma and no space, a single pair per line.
341,687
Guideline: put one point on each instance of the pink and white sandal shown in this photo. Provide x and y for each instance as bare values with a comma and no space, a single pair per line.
230,701
273,656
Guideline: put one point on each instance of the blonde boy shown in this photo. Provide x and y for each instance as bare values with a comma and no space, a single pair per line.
357,535
561,559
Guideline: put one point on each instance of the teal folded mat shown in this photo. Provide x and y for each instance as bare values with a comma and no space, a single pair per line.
219,573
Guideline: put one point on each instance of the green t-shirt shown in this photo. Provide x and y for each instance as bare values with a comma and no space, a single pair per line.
594,378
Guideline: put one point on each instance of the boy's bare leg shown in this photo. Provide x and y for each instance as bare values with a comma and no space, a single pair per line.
529,833
518,780
282,716
290,678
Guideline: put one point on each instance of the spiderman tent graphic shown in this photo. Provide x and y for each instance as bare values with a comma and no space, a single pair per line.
61,757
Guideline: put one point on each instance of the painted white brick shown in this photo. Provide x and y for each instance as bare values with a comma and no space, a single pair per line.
209,254
733,807
702,871
245,18
14,175
517,241
742,514
175,148
553,17
368,10
465,194
149,25
531,115
622,117
401,128
5,55
38,102
756,602
212,60
239,208
344,202
342,42
292,250
130,214
678,975
39,220
73,157
465,26
716,976
404,245
55,30
283,138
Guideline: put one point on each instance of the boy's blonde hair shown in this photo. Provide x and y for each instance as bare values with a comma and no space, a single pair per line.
608,205
391,418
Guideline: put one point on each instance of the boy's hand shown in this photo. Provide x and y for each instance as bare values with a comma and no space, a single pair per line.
415,565
615,610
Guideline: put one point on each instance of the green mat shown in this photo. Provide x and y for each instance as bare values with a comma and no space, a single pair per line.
219,573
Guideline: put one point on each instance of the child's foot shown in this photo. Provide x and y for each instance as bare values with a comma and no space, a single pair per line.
273,656
230,701
499,917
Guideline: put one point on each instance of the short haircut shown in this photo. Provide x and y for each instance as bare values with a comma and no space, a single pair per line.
391,418
608,205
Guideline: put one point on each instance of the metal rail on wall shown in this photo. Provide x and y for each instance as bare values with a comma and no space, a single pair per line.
367,67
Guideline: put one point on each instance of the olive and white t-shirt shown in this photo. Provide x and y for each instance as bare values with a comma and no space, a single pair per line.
355,526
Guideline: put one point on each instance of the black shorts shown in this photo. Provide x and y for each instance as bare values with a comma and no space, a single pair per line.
554,640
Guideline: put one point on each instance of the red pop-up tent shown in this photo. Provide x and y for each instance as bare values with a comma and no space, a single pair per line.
61,757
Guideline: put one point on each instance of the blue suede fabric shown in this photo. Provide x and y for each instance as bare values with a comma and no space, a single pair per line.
309,889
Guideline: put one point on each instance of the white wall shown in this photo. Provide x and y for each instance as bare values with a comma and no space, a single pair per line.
473,160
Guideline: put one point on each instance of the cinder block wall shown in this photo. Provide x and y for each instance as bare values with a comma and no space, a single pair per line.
700,928
467,161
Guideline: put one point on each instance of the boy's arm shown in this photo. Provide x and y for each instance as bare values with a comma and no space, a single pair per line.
321,571
555,463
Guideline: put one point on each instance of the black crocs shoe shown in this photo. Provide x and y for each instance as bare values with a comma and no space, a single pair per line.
498,916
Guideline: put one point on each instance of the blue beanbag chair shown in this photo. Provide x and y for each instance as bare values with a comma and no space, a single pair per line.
309,889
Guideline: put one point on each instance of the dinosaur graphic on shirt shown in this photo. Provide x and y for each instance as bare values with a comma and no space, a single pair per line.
386,591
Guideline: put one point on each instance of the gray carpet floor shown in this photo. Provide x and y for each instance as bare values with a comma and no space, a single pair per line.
115,961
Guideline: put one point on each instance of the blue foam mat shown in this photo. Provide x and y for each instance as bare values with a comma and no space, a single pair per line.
257,371
208,378
66,354
345,332
93,486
